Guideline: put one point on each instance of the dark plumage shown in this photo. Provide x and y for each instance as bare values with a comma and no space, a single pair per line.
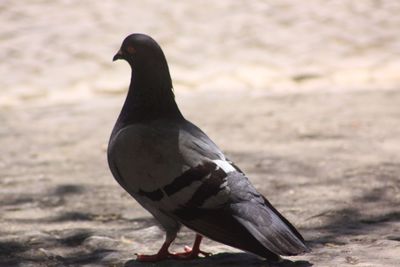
179,175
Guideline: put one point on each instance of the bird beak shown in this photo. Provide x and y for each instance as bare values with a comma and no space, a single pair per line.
118,55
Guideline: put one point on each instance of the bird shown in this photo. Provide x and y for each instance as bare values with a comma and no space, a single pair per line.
180,176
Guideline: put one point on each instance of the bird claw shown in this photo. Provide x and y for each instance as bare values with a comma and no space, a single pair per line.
188,254
163,254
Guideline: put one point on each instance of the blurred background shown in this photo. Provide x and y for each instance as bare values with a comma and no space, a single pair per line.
62,49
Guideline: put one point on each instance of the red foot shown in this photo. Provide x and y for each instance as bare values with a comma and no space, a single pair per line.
164,254
190,254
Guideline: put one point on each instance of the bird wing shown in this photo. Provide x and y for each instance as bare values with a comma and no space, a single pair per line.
227,208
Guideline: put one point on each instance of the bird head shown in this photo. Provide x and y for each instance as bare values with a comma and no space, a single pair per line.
140,49
148,63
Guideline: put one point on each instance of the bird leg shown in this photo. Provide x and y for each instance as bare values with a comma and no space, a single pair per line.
163,253
192,253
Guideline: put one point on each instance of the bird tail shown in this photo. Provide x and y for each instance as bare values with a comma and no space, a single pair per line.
271,229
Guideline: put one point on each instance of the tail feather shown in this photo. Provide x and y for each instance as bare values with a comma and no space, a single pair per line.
219,225
271,229
288,224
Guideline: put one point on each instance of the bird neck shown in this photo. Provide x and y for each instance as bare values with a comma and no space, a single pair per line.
149,98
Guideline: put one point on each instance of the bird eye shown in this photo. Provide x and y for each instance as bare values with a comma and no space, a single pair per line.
131,49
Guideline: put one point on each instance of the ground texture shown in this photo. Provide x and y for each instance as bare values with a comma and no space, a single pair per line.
328,161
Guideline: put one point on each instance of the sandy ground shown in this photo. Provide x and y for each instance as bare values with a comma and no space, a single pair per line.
303,97
328,161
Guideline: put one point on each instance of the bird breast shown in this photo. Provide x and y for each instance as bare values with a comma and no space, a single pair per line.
146,157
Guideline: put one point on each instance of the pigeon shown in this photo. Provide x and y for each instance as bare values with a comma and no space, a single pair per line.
176,172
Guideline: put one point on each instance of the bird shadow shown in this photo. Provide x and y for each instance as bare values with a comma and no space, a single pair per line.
240,259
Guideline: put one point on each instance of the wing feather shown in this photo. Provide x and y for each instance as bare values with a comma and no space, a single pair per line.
246,220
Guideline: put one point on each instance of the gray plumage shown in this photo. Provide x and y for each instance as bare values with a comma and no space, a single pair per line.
178,174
